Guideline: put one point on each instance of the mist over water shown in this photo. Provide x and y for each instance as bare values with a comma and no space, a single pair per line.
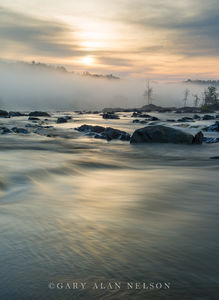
24,87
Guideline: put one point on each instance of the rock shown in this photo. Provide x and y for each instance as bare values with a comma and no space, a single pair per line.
15,114
19,130
28,125
198,138
162,134
61,120
4,114
104,133
90,128
154,119
39,114
214,157
185,119
208,117
135,114
211,140
110,116
68,117
33,119
171,120
4,130
217,117
196,117
139,121
214,127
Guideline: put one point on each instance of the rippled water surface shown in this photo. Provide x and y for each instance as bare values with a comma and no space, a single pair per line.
85,210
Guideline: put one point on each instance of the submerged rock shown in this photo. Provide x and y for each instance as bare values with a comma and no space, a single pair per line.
164,134
107,133
39,114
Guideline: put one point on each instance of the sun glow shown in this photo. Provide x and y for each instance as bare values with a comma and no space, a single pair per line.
87,60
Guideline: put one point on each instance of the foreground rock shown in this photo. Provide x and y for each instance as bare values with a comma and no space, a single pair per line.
104,133
39,114
164,134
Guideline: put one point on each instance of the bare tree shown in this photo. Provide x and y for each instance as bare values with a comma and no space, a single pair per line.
148,93
186,95
196,100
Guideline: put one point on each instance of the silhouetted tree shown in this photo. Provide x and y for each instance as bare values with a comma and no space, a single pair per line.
196,100
148,93
186,94
210,95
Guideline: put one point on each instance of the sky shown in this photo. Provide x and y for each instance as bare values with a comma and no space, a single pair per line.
129,38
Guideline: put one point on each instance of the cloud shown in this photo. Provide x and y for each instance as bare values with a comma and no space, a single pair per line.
188,27
36,36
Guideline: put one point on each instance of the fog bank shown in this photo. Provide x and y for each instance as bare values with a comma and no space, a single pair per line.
25,87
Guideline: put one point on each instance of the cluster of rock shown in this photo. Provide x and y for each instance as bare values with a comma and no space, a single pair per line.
5,130
107,133
5,114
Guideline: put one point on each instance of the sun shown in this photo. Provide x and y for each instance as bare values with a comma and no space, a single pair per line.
87,60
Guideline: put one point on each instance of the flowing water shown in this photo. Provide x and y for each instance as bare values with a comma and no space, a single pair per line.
74,209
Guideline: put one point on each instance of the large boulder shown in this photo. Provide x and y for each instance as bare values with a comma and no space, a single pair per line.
164,134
